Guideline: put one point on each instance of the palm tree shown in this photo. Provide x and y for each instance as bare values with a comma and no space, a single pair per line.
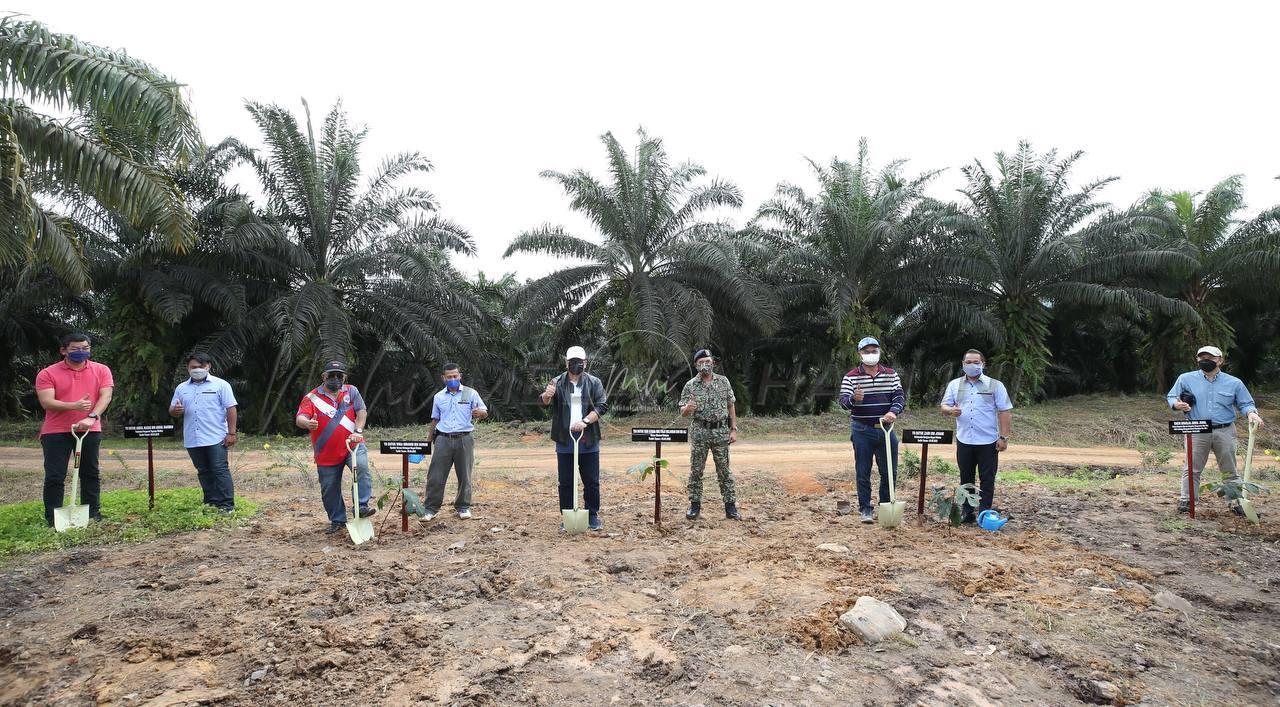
1024,243
1231,261
659,276
128,122
838,251
335,268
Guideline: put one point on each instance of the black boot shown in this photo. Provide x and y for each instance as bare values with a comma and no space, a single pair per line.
695,508
731,511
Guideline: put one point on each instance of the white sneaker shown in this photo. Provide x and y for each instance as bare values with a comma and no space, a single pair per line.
426,516
464,514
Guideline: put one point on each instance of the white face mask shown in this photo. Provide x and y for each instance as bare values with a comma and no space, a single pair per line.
871,359
198,374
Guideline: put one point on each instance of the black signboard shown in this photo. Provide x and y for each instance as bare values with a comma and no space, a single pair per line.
659,434
926,436
146,431
405,447
1189,427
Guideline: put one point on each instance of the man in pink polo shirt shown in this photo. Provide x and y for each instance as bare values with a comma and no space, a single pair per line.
74,392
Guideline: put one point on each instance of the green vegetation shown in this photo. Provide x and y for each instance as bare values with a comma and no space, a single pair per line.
1082,478
123,222
126,520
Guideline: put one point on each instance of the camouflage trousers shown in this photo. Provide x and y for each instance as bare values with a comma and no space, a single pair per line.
716,442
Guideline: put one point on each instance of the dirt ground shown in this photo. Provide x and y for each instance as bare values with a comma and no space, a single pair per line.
1060,607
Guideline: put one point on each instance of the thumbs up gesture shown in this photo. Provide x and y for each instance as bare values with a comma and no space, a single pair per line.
178,409
858,394
84,404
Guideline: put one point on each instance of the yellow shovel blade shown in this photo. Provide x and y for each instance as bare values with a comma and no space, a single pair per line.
361,530
69,517
575,521
890,515
1247,506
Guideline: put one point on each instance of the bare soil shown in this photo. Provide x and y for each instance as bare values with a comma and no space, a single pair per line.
1058,608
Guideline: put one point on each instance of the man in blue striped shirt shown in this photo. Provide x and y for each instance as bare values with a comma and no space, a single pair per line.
873,395
1214,395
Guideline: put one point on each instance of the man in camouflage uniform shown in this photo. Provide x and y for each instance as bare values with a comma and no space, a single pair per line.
709,399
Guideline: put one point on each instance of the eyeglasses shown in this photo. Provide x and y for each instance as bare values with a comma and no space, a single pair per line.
77,348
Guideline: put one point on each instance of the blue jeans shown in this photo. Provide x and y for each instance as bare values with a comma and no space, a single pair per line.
333,491
214,475
868,442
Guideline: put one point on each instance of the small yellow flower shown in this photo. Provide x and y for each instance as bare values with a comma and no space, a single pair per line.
266,446
1268,452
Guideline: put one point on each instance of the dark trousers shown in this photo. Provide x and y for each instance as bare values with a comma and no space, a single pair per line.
868,444
215,475
450,453
985,459
58,448
589,470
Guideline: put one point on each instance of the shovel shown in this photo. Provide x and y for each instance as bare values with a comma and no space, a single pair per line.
575,521
891,513
1246,505
72,515
360,529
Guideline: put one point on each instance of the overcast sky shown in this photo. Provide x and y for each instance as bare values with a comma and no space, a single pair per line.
1162,94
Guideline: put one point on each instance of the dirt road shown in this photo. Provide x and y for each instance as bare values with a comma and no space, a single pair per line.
1079,600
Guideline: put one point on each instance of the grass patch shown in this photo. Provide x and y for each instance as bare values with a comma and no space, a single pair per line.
1079,479
126,520
1174,525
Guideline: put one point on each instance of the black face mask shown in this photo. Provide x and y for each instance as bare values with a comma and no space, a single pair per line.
1207,365
334,383
576,367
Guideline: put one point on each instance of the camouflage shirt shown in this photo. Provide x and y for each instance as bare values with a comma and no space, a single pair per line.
713,399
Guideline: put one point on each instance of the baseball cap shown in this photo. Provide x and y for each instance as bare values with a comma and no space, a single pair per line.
1211,350
867,341
702,353
335,367
575,352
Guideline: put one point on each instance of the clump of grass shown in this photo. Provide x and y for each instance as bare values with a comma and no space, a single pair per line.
1082,478
125,520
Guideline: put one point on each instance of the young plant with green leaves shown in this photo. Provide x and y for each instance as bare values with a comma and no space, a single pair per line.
949,502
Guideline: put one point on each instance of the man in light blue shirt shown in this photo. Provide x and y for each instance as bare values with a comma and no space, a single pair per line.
1213,395
208,408
984,415
453,412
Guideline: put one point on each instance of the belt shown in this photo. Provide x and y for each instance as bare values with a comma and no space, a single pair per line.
453,435
866,424
712,425
1218,426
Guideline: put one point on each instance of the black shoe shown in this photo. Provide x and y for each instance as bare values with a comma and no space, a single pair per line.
731,511
1184,506
1236,509
366,512
97,518
695,508
968,518
333,528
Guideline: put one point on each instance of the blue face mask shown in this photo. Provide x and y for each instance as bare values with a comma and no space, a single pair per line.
453,384
78,356
973,370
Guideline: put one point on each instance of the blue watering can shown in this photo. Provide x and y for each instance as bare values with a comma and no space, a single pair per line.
416,458
991,520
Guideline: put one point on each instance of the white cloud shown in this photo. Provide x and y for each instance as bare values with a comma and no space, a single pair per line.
1163,94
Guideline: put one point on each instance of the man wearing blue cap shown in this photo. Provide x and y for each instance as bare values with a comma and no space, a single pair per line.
873,396
708,398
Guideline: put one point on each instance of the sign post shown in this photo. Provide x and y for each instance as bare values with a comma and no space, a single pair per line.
924,438
404,449
149,433
1187,428
658,436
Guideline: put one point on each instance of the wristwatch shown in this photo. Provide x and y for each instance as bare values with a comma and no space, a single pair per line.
359,431
1003,438
92,416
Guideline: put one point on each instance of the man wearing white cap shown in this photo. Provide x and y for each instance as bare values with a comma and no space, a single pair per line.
1210,394
580,402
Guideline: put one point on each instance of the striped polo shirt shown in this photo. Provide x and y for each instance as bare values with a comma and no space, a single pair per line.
881,393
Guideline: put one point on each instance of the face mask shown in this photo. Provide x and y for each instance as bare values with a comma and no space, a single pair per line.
871,359
1207,364
78,356
576,367
198,374
334,384
453,384
973,370
705,367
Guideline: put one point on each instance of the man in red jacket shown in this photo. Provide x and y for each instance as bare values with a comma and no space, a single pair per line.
334,413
